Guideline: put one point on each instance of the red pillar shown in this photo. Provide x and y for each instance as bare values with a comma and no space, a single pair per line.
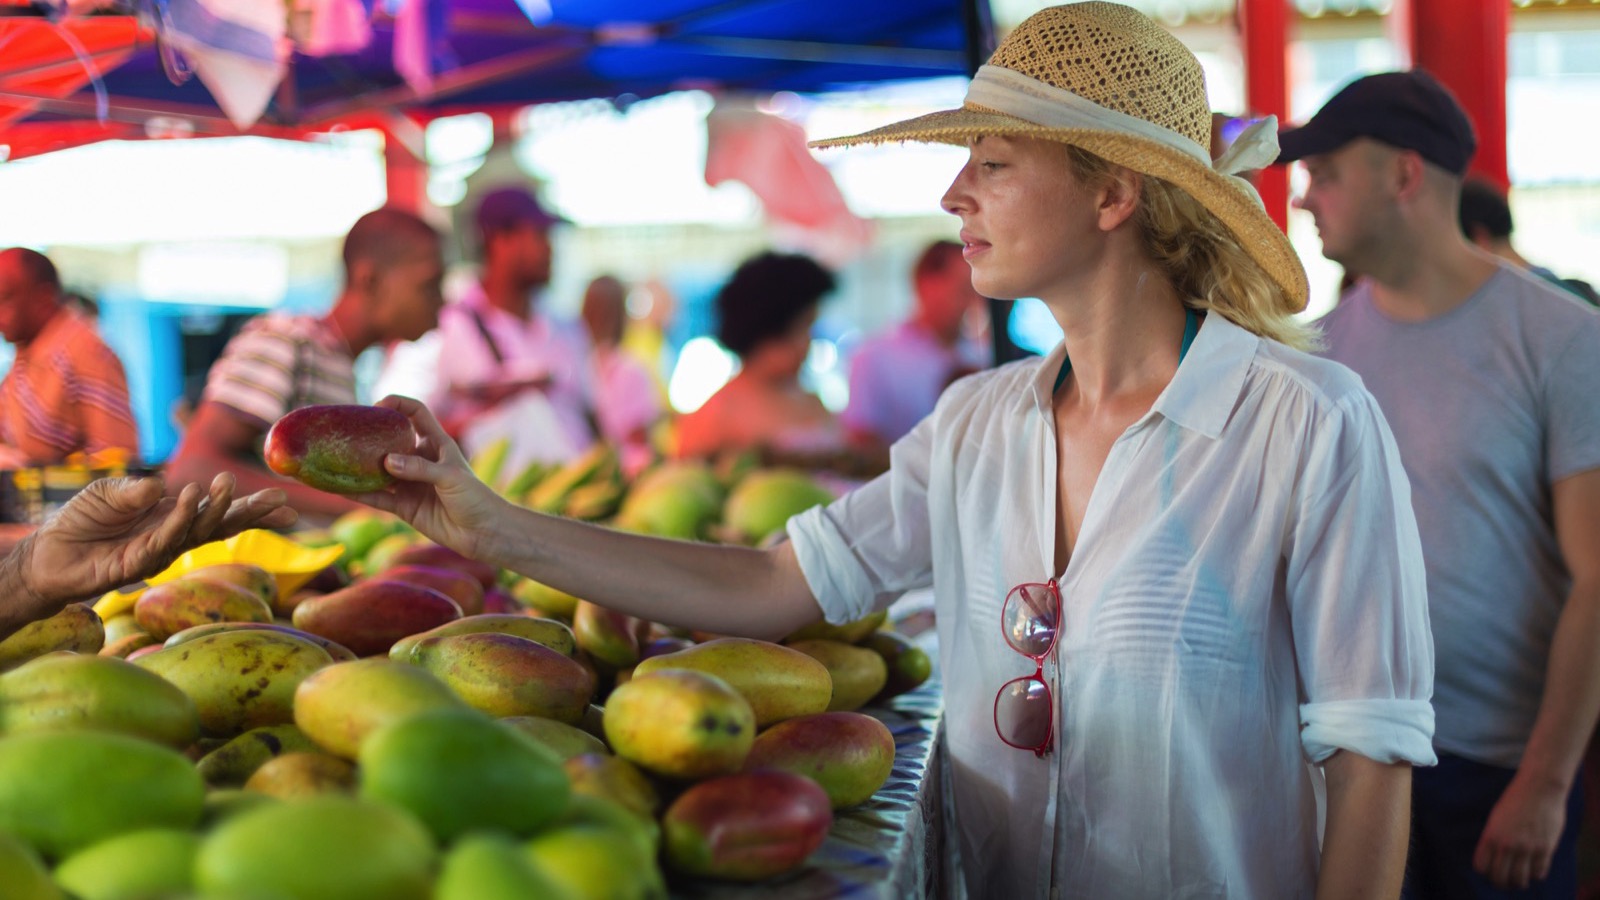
1463,44
404,165
1264,30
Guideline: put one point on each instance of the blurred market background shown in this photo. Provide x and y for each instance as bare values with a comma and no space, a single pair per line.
181,241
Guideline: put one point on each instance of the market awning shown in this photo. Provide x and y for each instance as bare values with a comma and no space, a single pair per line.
492,55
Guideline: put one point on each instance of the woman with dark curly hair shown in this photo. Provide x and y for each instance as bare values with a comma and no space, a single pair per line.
767,309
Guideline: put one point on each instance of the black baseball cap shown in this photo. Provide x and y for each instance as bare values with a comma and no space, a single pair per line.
1407,110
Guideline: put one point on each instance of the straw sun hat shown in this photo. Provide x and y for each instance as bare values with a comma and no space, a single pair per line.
1104,78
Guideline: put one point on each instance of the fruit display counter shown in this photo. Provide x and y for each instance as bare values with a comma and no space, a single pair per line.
361,714
888,847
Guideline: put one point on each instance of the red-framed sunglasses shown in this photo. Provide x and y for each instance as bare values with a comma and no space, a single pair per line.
1024,709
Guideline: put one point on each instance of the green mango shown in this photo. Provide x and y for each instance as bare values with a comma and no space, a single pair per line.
458,771
63,791
319,848
133,866
492,867
67,691
22,872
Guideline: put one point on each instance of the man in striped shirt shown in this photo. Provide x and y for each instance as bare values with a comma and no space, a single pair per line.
278,363
66,392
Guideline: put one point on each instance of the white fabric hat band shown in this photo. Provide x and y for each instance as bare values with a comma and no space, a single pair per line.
1031,100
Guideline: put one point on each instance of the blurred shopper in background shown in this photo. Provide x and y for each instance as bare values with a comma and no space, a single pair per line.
1485,217
393,270
1486,374
506,367
766,311
897,377
627,401
66,392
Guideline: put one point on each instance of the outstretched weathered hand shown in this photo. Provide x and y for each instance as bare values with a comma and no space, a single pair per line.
121,530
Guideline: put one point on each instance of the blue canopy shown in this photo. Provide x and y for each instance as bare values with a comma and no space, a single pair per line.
496,55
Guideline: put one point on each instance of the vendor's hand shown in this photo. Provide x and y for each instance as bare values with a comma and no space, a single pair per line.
435,490
1521,835
118,531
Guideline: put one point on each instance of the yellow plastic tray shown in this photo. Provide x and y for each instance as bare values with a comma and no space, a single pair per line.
291,564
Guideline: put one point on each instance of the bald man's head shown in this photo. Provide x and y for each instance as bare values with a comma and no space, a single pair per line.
393,267
386,237
30,294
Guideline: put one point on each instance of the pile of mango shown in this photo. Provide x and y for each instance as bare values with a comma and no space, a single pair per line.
414,725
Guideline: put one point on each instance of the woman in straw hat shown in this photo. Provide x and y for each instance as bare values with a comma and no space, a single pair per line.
1178,581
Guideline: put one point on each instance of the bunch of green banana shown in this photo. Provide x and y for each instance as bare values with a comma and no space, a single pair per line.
489,460
597,465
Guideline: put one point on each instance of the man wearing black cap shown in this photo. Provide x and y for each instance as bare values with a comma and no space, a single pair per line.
1485,374
507,368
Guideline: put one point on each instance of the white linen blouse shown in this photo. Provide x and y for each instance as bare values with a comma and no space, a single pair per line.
1246,598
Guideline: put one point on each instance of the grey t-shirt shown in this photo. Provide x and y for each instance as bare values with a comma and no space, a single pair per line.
1490,403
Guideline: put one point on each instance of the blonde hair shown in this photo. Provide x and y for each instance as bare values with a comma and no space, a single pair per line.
1202,257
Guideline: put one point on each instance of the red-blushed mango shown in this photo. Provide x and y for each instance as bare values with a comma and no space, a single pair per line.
338,651
337,707
166,609
459,586
848,754
339,449
497,601
555,635
661,646
746,827
780,682
908,665
252,578
370,616
506,675
441,557
121,647
611,638
680,723
857,673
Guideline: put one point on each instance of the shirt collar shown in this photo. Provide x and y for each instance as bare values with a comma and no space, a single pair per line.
1204,392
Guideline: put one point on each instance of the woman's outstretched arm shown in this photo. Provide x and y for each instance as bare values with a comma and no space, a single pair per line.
727,590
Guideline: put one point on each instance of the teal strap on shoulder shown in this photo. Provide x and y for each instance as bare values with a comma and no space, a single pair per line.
1191,327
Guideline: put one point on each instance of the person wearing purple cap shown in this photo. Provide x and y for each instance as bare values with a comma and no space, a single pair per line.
507,368
1485,374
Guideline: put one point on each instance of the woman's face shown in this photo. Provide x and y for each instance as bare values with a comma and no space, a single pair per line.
1028,225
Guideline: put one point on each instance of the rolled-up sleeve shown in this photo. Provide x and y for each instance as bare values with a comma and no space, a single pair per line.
1358,594
873,544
